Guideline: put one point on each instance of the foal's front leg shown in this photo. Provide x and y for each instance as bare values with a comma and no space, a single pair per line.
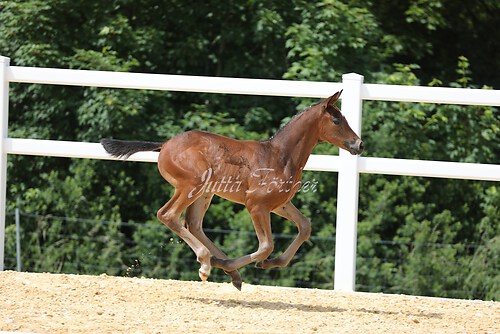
262,224
290,212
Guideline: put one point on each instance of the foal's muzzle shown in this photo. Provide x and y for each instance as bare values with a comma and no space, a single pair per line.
355,146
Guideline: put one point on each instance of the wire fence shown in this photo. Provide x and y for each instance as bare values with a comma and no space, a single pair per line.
41,243
29,255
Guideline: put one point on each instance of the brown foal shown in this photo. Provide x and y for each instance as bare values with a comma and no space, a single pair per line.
262,175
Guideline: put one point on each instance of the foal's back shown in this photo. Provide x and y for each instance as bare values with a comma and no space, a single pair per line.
188,157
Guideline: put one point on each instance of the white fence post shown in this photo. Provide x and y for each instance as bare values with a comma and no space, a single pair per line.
17,215
347,194
4,119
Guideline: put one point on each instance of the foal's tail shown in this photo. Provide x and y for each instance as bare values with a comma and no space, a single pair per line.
125,148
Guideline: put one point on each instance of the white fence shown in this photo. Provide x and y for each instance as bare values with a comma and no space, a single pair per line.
348,166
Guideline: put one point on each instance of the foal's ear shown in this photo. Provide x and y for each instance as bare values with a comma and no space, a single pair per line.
332,99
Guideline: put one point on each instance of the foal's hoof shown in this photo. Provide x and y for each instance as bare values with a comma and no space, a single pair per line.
203,276
237,285
204,272
235,279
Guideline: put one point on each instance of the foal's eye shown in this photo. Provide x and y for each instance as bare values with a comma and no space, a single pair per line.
336,120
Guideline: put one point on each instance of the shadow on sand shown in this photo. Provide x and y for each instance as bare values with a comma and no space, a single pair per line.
268,305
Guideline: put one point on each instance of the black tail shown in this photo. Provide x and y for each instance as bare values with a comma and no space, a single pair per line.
124,148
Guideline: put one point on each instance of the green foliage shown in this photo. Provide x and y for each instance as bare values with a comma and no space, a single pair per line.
415,225
333,38
416,235
434,33
427,13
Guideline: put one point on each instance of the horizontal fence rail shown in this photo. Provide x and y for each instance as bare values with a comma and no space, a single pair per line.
443,95
348,167
264,87
169,82
316,162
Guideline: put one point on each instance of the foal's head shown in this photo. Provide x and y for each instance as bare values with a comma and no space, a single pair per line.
335,129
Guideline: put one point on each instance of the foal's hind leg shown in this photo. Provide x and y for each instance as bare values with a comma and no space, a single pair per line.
170,214
193,219
290,212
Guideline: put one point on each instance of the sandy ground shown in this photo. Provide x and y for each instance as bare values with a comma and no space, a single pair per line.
47,303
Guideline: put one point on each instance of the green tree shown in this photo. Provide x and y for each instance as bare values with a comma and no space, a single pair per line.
433,33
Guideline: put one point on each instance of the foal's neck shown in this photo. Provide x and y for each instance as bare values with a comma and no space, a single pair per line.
295,142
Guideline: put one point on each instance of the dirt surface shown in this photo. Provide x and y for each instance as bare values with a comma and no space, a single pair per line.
47,303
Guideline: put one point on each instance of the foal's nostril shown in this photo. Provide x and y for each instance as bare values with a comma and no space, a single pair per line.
361,147
355,146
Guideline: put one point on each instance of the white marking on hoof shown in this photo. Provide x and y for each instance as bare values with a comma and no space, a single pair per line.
204,272
202,276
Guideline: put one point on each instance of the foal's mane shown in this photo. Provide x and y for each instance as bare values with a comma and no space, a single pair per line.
292,120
